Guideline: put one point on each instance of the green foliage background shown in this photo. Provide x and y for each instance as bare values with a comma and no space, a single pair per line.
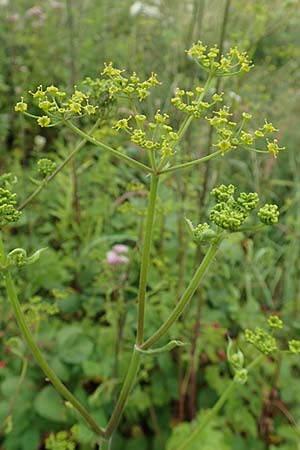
87,209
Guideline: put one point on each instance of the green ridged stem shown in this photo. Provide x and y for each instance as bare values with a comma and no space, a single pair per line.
146,259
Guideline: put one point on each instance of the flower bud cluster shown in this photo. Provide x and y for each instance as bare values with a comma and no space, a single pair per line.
231,135
275,323
191,104
18,257
230,213
209,59
132,86
294,346
262,340
8,212
202,233
46,166
59,441
268,214
236,361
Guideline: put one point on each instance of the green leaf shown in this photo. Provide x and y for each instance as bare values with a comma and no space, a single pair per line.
49,405
30,439
74,346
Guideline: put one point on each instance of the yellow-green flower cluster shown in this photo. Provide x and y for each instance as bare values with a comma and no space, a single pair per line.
231,135
209,59
230,213
8,212
268,214
55,105
274,148
59,441
262,340
157,135
132,86
294,346
190,103
46,166
275,323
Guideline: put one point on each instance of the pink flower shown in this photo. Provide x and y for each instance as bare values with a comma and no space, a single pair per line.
35,11
113,259
56,5
120,248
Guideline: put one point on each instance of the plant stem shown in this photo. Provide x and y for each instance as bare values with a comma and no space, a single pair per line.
50,374
185,298
146,258
212,413
191,163
130,161
215,409
57,170
135,359
125,391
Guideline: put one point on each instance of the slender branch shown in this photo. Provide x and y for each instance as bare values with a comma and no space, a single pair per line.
191,163
130,161
212,413
145,259
215,409
50,374
57,170
185,298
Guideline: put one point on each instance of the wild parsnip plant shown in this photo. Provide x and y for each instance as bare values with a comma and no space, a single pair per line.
159,143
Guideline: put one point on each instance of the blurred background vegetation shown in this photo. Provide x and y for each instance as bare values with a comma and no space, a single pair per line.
78,305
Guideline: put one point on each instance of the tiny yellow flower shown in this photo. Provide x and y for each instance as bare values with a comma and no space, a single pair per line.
52,89
75,107
21,106
90,109
43,121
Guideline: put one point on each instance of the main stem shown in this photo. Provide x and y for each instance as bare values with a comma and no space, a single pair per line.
50,374
146,259
185,298
125,391
135,359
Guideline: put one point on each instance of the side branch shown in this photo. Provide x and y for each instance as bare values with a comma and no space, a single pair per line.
132,162
50,374
185,298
